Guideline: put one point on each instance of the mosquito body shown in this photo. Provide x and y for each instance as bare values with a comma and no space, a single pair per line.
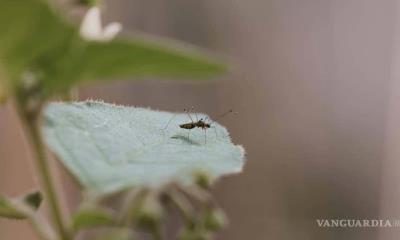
199,123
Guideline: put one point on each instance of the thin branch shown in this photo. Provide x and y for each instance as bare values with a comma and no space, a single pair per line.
31,127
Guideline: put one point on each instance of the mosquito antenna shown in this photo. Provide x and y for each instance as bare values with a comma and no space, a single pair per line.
169,121
223,115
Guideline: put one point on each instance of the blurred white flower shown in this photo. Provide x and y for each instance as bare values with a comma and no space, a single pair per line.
91,28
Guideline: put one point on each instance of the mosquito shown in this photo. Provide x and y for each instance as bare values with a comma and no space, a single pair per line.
199,123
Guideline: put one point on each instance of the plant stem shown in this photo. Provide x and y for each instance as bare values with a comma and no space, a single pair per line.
42,167
43,230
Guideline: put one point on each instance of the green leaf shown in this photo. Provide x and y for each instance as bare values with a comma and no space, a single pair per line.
109,148
20,207
118,234
31,35
135,57
9,209
3,94
149,212
33,199
214,219
88,217
88,2
35,39
145,57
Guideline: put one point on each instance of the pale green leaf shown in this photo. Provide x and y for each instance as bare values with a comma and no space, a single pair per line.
109,147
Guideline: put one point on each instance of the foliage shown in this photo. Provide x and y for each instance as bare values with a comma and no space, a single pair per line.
113,151
20,207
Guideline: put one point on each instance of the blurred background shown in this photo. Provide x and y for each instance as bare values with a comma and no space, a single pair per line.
317,87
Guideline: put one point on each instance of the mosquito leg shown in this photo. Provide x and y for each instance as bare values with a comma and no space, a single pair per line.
188,135
212,126
169,121
197,118
205,135
216,133
188,113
